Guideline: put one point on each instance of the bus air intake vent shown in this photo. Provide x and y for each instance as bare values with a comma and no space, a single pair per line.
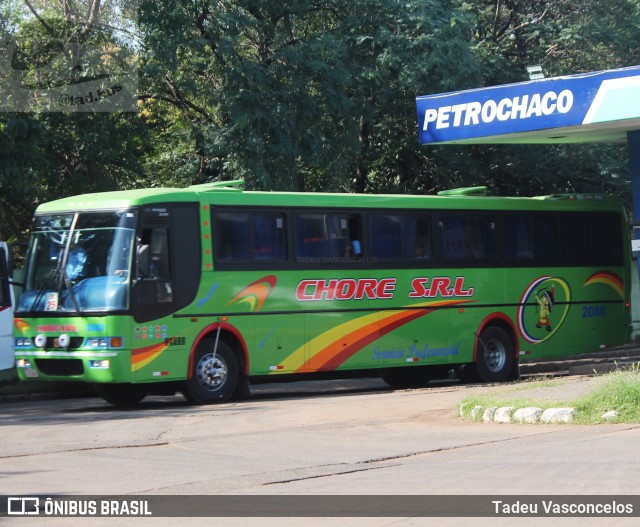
60,367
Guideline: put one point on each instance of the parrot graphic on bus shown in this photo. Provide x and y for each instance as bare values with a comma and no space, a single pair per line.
545,299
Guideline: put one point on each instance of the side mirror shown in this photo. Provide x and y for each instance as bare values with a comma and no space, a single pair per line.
142,261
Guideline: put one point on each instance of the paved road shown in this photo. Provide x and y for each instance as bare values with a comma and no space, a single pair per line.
378,442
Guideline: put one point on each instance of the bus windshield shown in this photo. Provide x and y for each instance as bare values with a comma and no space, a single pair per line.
79,262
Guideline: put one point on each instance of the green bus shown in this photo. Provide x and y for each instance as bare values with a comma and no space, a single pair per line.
207,289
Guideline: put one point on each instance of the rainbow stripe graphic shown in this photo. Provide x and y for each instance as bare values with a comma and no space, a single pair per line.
607,278
21,325
140,357
328,351
256,293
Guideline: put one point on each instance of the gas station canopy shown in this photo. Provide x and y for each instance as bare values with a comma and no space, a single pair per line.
588,108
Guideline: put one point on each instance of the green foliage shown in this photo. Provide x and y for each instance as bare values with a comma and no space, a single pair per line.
302,95
565,37
48,154
618,391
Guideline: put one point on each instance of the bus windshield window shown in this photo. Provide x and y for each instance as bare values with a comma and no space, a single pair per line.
79,261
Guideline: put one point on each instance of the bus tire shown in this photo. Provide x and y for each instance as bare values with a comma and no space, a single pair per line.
495,359
406,377
213,379
123,395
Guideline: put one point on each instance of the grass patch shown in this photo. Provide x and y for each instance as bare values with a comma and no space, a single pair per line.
618,391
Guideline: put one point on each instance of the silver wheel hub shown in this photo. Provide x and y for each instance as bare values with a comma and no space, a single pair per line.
212,372
495,355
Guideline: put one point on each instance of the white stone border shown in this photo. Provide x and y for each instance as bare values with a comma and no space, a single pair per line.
528,415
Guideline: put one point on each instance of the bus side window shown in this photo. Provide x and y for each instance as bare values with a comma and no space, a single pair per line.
519,241
153,254
400,236
232,236
247,237
331,235
419,229
545,245
605,244
455,243
159,255
154,269
353,235
576,240
269,236
386,236
468,237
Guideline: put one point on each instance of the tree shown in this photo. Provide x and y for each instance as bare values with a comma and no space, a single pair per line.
301,95
565,37
56,58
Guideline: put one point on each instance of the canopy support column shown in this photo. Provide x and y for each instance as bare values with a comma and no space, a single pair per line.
633,148
633,151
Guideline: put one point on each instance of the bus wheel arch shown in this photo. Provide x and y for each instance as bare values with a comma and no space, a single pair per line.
496,349
217,367
495,354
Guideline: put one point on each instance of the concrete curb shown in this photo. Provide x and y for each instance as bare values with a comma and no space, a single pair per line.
529,415
586,363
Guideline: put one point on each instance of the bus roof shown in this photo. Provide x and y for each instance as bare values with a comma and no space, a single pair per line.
223,193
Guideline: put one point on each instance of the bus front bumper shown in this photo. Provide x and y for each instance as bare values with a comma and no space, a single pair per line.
83,366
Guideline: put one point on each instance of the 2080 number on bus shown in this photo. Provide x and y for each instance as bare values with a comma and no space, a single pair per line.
594,311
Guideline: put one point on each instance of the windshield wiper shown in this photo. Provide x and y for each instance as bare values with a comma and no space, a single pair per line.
72,295
64,277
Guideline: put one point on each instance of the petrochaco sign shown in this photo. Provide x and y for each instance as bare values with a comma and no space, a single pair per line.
528,106
507,108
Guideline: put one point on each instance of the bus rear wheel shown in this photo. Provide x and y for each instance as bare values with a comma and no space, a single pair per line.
495,360
123,395
214,376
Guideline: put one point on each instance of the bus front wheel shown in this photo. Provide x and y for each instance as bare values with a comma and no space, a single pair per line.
495,360
214,374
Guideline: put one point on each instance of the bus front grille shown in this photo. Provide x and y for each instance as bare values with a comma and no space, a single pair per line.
63,367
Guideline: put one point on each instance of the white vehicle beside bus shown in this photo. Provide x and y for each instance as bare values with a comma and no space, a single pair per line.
7,359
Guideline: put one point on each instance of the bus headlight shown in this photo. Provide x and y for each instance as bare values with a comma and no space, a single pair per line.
103,343
64,340
23,363
40,341
103,364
